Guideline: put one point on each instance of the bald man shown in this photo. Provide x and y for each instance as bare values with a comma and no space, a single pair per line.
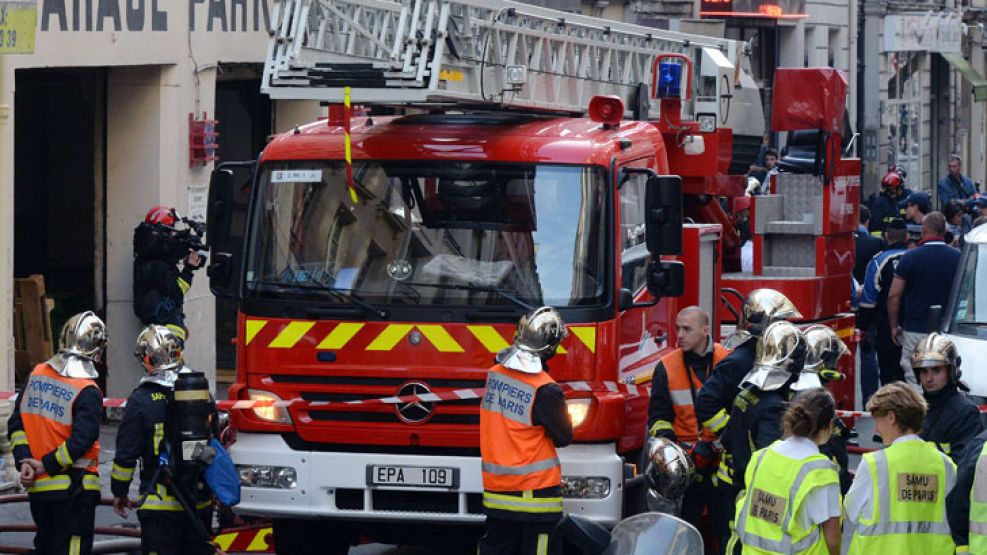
676,381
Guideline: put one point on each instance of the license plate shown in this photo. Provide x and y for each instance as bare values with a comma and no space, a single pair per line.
418,476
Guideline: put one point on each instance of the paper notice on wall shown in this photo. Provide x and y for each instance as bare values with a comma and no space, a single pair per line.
198,198
18,20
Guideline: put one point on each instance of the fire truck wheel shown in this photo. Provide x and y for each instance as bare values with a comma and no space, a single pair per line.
312,537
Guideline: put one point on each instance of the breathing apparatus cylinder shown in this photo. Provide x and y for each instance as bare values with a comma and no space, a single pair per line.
191,413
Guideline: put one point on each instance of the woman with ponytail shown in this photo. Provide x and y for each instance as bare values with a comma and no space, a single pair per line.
791,504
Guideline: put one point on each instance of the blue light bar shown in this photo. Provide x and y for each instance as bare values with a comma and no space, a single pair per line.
669,80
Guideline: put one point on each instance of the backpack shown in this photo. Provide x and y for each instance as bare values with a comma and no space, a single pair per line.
222,476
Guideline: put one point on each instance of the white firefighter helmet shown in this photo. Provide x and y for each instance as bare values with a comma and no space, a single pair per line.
780,355
823,350
761,308
538,335
80,346
159,351
936,349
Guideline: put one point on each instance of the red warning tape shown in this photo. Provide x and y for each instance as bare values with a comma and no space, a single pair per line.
433,397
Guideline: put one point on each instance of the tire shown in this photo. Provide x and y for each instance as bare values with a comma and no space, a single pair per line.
312,537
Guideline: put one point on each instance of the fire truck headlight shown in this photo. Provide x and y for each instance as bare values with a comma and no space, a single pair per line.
578,410
261,476
269,409
707,123
585,487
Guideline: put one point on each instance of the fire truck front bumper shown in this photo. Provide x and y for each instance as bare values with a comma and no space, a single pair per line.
280,482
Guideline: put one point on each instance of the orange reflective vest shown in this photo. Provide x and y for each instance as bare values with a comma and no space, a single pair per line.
516,454
686,426
46,410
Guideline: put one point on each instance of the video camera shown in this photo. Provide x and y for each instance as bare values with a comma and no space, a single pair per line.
169,243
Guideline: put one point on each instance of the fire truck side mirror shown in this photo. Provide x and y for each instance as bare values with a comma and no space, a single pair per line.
218,221
666,278
663,213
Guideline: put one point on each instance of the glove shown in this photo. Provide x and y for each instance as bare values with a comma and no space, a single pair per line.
705,456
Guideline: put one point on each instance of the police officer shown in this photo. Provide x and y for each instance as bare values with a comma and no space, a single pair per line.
54,432
791,503
523,418
678,376
755,420
952,420
165,523
897,501
159,286
825,349
872,316
885,206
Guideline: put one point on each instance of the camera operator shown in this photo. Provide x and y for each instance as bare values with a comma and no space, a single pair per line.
159,286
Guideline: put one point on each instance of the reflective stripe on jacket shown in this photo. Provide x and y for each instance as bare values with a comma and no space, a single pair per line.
516,455
777,487
909,501
685,426
978,505
46,412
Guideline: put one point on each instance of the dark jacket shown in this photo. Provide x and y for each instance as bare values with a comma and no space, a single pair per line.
660,404
958,500
140,437
866,247
755,423
951,421
835,450
873,309
718,392
87,412
159,291
884,209
549,411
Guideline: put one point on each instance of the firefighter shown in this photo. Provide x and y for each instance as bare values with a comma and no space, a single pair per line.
966,504
755,420
791,503
677,378
952,420
897,501
523,418
885,206
824,350
165,526
159,286
54,432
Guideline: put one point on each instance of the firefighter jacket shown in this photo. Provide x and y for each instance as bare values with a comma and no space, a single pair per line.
523,418
835,450
140,436
755,423
159,293
56,421
951,421
909,481
884,209
966,504
678,377
777,488
714,400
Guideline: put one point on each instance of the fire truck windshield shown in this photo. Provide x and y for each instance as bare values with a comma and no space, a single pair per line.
430,233
969,315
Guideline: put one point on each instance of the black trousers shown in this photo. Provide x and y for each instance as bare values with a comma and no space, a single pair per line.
722,509
888,359
511,537
65,526
171,533
697,497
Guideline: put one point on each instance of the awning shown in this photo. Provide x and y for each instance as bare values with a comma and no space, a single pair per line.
971,75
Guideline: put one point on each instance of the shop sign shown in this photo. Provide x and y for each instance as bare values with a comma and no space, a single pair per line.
18,19
769,9
923,32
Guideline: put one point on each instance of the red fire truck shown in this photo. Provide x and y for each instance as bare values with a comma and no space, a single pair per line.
386,259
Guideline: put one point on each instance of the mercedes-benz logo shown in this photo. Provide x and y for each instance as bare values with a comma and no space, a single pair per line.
414,412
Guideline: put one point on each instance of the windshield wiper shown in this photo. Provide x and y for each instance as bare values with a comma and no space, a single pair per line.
338,293
509,295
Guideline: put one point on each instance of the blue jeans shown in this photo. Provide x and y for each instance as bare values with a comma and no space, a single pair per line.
868,367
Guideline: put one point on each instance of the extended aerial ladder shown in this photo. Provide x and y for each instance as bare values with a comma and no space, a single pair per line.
494,53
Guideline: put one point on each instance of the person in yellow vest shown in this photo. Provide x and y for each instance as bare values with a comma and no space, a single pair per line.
54,432
897,503
677,379
791,503
966,504
523,418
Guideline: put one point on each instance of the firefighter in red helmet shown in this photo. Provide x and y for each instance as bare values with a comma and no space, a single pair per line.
884,208
159,285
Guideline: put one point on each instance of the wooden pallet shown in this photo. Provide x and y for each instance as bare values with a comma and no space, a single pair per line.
32,325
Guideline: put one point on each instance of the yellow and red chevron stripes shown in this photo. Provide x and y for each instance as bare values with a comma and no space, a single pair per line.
280,334
246,540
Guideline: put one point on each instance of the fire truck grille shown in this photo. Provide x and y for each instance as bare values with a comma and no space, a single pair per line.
390,417
348,499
